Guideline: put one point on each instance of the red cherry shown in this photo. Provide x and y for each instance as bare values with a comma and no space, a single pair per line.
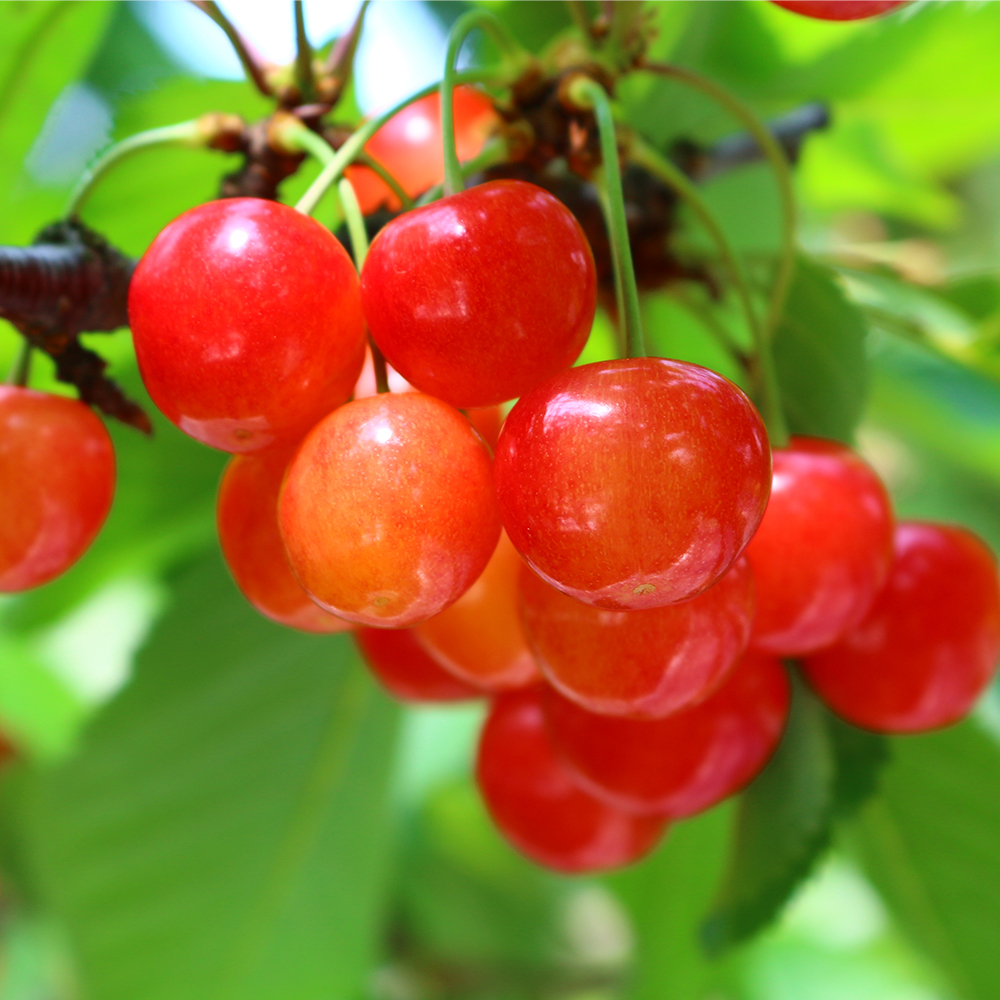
57,481
405,670
247,519
633,484
823,550
537,804
930,643
247,323
840,10
687,762
388,511
639,663
479,638
480,296
409,146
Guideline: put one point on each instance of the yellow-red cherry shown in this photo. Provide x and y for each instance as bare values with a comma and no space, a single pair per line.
687,762
388,511
480,296
928,646
643,664
57,481
633,484
247,323
247,521
537,803
822,551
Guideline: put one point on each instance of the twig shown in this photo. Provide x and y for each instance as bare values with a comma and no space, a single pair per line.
250,61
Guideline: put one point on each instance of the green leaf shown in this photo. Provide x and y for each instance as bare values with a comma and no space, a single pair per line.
819,353
929,844
222,832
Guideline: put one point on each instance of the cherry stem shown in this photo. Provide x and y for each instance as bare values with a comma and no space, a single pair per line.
352,148
192,133
514,59
495,151
588,93
776,157
763,362
21,371
252,65
397,189
303,55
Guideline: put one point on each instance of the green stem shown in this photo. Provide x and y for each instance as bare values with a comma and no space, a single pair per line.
397,189
495,151
775,155
186,134
348,153
21,371
581,18
711,323
588,93
303,55
661,167
512,54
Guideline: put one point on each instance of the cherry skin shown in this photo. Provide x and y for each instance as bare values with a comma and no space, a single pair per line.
409,146
929,645
823,550
405,670
480,638
539,807
57,481
840,10
480,296
687,762
247,520
633,484
247,323
642,664
388,511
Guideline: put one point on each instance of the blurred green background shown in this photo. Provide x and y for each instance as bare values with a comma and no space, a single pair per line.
209,807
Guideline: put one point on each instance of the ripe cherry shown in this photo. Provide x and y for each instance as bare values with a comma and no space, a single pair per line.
479,638
929,645
823,549
633,484
538,805
409,146
687,762
840,10
405,670
480,296
388,511
247,520
639,663
247,323
57,481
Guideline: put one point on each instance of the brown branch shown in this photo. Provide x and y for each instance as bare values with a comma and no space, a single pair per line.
303,55
340,62
251,62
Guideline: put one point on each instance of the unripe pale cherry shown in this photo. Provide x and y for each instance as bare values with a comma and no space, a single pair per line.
642,664
388,511
247,521
633,484
57,481
928,646
247,323
687,762
539,806
822,551
478,297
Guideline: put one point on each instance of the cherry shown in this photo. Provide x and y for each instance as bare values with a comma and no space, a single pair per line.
57,481
247,519
535,801
633,484
480,296
687,762
479,638
823,550
929,645
409,146
840,10
639,663
388,511
247,323
405,670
